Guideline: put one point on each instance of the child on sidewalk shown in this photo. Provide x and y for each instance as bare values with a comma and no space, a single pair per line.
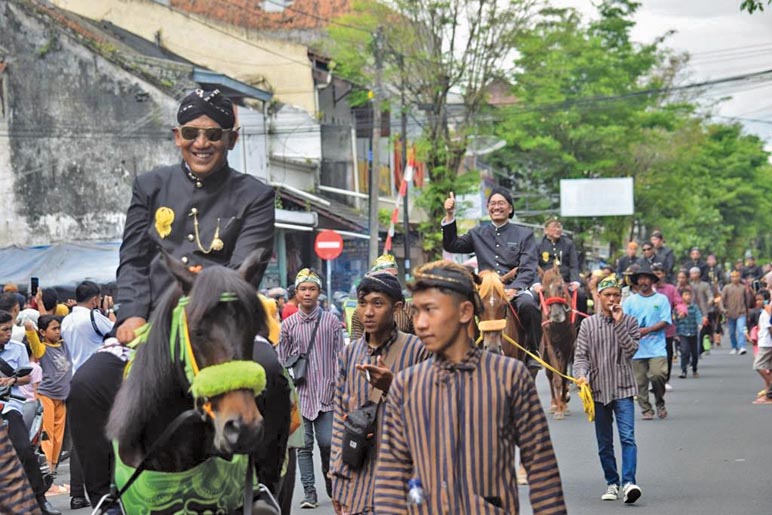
688,330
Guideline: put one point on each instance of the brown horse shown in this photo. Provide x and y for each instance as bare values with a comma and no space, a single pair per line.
558,336
498,318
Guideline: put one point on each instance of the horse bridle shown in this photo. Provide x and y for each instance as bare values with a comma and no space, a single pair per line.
205,383
208,382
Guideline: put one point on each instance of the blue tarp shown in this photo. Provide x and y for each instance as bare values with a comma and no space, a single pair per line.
62,265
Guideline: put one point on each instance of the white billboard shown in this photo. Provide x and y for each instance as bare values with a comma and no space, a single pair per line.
596,197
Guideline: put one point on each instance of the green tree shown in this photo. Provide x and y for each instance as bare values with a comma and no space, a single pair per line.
753,5
591,104
581,105
436,50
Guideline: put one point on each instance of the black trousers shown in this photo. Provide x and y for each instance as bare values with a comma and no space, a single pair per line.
77,488
17,431
92,391
287,484
689,352
530,316
669,346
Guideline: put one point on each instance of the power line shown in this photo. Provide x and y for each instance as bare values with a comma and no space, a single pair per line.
316,16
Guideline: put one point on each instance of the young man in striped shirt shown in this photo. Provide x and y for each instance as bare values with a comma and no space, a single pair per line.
317,393
605,346
453,422
366,370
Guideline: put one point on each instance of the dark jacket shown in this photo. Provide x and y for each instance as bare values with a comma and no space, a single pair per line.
624,262
243,205
500,249
563,251
666,256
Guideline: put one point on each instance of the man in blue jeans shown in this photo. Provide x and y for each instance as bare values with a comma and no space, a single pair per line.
318,334
605,346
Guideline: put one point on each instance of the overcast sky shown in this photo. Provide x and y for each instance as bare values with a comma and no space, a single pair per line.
723,42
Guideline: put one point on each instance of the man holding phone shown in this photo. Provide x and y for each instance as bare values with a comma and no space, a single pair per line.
605,346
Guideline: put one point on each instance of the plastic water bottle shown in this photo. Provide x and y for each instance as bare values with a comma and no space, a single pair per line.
415,492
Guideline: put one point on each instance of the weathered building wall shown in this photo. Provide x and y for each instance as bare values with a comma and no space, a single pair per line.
75,131
279,66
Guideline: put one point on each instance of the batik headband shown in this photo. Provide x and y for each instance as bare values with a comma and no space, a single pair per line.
308,276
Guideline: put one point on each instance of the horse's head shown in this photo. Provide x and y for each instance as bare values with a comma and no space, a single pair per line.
493,317
222,316
557,301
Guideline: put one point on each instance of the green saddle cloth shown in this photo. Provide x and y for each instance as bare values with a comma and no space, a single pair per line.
215,486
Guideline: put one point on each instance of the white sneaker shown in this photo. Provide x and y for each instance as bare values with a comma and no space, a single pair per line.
612,493
668,387
733,352
631,493
742,351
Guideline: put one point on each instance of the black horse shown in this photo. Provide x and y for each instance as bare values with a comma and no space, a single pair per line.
222,315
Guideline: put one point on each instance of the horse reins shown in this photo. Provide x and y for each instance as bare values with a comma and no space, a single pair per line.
549,301
205,383
584,389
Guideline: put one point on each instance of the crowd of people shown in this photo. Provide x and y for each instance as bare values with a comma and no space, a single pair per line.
409,411
54,339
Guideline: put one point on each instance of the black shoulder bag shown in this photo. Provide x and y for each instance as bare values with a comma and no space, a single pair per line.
297,364
361,425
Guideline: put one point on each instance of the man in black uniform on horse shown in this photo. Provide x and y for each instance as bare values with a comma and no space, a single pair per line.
501,247
557,248
200,212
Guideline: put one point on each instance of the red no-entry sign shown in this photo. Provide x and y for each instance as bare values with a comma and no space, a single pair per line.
328,244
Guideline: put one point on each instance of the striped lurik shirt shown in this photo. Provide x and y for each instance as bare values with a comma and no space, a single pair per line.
318,392
354,488
604,352
16,495
455,427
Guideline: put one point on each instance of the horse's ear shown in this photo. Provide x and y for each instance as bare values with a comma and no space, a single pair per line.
179,271
254,263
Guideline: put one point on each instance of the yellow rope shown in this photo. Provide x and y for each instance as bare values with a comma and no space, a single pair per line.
584,388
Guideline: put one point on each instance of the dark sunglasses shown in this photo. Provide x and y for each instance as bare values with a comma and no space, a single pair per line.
646,248
211,133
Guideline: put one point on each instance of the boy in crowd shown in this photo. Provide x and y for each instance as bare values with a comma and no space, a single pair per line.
688,331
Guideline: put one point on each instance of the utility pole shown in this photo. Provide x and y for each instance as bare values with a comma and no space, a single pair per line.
403,116
375,164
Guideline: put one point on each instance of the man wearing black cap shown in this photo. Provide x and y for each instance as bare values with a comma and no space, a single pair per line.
366,369
201,212
695,260
663,254
557,248
501,247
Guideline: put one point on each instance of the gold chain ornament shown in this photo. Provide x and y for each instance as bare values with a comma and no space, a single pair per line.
216,244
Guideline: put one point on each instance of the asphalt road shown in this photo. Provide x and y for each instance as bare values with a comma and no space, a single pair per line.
710,456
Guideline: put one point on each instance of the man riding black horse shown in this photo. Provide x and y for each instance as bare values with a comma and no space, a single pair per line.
200,212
